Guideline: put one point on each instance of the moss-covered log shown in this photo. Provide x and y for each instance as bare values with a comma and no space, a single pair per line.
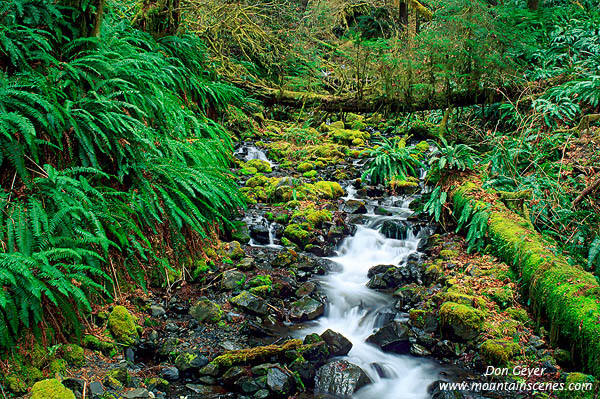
333,103
566,295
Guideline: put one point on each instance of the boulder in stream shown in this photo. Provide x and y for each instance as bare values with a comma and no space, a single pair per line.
338,344
354,207
392,337
396,229
340,378
259,233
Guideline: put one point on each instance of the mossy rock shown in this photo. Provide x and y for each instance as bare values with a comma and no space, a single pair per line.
297,234
422,146
15,384
121,375
206,311
329,189
58,366
94,343
122,326
260,165
336,125
498,352
582,386
463,320
259,180
310,174
305,167
74,355
51,389
503,296
248,171
518,314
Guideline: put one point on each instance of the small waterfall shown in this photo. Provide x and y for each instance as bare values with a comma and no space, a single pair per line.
355,310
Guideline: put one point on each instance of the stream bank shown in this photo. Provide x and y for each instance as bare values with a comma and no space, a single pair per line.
328,286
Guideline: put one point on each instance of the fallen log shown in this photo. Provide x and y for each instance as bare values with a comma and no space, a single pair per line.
566,295
333,103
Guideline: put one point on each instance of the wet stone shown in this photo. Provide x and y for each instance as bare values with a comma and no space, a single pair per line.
337,343
340,378
280,382
232,279
392,337
306,308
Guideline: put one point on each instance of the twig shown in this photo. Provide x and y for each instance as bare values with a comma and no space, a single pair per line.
595,184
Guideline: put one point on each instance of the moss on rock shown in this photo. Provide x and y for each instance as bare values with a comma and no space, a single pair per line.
463,320
51,389
74,355
297,234
498,352
260,165
122,326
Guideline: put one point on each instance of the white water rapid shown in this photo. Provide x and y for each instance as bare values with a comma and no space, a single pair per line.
353,311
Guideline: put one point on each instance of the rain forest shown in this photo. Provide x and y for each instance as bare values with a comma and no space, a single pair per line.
299,199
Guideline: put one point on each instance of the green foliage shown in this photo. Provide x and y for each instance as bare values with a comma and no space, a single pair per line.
102,142
447,157
594,254
435,203
473,218
389,159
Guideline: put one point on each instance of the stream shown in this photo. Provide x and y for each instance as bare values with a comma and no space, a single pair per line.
356,311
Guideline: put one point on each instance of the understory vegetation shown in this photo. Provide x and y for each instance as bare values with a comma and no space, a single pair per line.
134,134
110,165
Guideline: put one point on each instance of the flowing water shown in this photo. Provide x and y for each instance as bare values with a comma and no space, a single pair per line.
356,311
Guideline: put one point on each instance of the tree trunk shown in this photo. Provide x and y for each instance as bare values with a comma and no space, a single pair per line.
533,5
158,17
332,103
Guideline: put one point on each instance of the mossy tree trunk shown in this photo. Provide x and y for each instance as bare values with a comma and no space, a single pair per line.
158,17
566,295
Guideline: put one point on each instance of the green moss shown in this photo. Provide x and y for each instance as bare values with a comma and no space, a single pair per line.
347,136
156,383
51,389
259,180
358,125
313,216
305,167
259,165
336,125
58,366
74,355
15,384
454,296
121,324
248,171
422,146
463,320
329,190
498,352
282,218
518,314
296,234
448,254
261,290
582,386
94,343
206,311
310,174
503,296
565,294
286,242
121,375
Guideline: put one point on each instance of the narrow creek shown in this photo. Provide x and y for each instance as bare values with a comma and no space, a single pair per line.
356,311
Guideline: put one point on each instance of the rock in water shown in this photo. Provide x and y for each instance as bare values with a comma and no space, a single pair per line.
392,337
337,343
306,308
340,378
259,233
355,207
396,229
